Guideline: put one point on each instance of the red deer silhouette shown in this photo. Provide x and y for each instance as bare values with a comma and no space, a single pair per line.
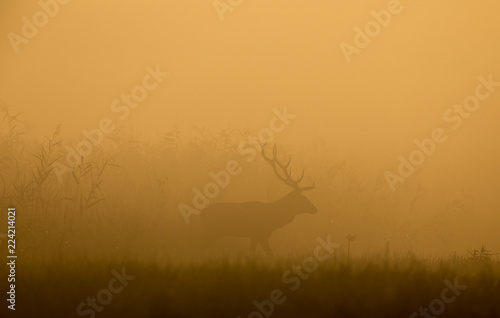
258,220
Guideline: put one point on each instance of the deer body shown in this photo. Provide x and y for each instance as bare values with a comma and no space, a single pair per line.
254,219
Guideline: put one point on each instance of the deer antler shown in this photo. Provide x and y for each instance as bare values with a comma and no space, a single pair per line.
288,180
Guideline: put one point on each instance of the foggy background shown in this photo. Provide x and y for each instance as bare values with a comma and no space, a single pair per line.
230,75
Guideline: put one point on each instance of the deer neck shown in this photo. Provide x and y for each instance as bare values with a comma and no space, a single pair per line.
285,208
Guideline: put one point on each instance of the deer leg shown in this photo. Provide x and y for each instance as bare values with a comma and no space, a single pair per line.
265,246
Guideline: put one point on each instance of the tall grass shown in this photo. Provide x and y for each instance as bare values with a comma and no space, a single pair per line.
119,208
